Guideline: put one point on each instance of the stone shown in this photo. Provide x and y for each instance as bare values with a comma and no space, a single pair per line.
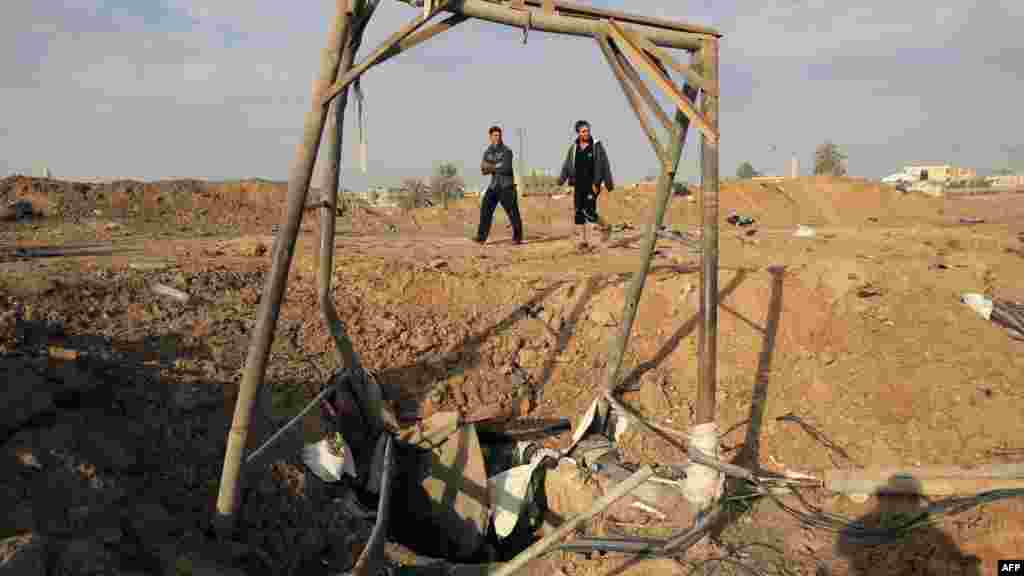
568,493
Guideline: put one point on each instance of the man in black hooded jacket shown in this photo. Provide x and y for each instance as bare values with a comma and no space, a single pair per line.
497,162
586,168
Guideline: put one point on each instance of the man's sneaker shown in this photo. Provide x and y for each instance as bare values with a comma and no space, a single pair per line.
517,241
478,240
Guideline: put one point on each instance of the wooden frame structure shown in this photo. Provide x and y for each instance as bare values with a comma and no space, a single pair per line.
632,45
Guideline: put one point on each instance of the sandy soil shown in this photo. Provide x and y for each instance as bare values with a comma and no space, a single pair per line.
858,331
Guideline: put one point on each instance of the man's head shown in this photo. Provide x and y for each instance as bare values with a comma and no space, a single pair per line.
495,133
583,130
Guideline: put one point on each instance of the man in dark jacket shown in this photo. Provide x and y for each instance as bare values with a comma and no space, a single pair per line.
497,162
586,168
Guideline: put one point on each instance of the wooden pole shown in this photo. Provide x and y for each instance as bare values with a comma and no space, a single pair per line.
643,90
927,481
273,289
573,8
636,286
387,49
581,23
632,98
628,41
538,548
664,57
367,391
707,335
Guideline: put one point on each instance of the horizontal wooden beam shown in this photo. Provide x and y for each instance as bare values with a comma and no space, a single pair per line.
691,75
626,41
573,25
927,481
572,8
634,101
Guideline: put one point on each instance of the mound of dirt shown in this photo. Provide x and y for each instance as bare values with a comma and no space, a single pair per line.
814,200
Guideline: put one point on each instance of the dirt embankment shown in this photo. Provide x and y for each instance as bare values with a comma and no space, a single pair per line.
858,331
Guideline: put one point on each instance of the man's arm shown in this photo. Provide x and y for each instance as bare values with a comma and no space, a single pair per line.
563,177
608,183
485,166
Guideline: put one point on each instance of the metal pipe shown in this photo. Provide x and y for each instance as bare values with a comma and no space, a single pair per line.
371,559
273,289
707,335
618,545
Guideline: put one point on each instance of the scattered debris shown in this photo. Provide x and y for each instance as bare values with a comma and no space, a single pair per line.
869,290
738,220
512,489
972,220
804,232
173,293
1009,315
330,458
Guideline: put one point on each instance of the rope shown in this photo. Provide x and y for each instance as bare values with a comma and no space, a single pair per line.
357,88
291,422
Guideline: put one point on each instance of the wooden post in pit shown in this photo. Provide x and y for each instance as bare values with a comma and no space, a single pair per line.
707,334
273,289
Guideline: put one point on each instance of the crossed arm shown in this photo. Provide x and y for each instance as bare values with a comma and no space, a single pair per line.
504,167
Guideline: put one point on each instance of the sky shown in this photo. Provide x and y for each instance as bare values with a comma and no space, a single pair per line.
156,89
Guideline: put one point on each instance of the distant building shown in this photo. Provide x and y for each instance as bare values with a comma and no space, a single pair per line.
938,172
1006,181
794,167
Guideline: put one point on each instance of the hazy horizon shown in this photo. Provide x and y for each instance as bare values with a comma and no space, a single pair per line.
177,88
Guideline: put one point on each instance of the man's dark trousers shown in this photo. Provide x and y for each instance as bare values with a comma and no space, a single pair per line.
507,198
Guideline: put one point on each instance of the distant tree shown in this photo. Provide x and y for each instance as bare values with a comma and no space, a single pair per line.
445,183
746,171
1003,172
415,194
829,159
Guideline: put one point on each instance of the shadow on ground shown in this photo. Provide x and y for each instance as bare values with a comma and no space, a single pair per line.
870,550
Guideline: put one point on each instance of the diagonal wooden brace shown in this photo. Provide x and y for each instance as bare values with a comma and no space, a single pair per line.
391,46
631,96
665,57
638,83
626,40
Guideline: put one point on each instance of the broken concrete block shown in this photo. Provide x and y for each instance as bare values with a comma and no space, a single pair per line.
457,489
432,432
